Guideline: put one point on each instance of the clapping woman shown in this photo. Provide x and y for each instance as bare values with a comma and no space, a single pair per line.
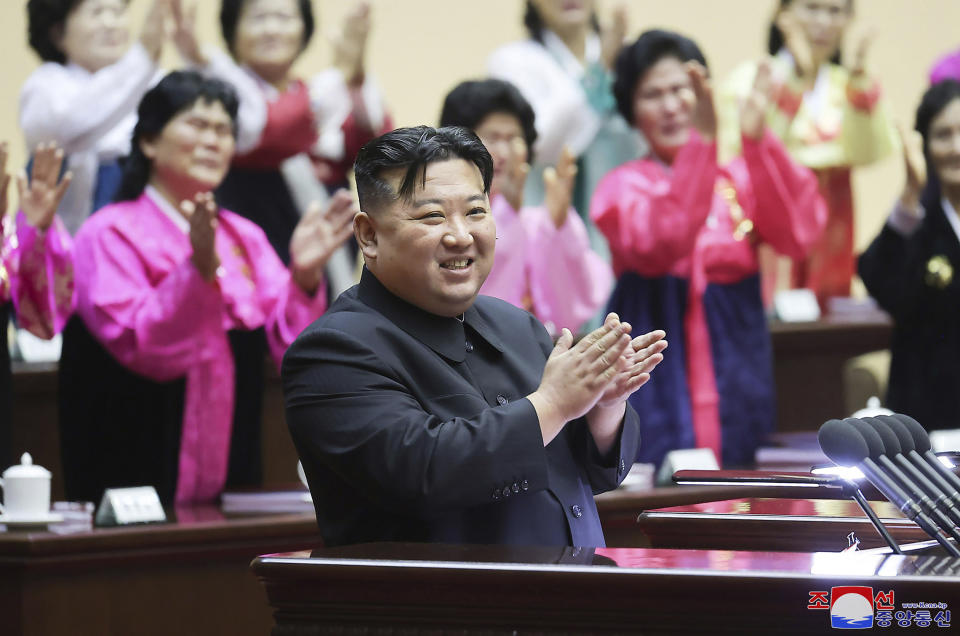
291,133
564,70
36,268
85,94
544,262
911,266
176,302
830,117
684,231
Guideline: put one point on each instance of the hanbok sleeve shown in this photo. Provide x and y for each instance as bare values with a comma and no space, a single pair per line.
288,308
789,212
293,310
868,133
563,115
569,282
40,267
157,328
651,218
347,117
56,106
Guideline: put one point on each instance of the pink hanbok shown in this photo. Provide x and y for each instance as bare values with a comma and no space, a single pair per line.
684,242
141,297
551,272
36,273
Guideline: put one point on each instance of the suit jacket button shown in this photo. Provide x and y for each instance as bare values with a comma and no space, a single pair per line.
506,491
623,466
496,494
515,487
577,512
502,400
469,346
525,484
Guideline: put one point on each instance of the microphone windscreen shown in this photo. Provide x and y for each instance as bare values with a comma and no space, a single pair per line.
921,441
874,444
843,444
891,443
898,428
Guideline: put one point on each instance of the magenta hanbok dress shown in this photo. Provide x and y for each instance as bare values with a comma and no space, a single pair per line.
36,282
684,242
141,298
549,271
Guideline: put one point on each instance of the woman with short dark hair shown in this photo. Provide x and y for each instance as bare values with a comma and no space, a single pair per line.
911,266
85,94
176,301
684,231
544,262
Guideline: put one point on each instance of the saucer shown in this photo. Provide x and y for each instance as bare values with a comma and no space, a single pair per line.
30,521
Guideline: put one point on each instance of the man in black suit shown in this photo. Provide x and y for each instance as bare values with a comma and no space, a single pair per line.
424,412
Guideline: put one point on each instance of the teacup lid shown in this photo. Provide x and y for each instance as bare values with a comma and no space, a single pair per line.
26,468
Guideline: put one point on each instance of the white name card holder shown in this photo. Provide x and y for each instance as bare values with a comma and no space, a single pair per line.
796,305
125,506
945,440
685,459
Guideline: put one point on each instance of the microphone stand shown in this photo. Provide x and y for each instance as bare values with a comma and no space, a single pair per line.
850,489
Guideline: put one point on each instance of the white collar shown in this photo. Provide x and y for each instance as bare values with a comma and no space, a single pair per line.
816,97
172,213
567,60
951,215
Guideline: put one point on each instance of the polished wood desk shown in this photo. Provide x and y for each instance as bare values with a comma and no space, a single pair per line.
809,360
187,577
804,525
437,589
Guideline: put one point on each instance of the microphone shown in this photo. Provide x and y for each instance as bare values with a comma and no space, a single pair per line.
922,443
909,458
891,447
845,446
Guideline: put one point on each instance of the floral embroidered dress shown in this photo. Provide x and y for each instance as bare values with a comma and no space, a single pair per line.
684,243
549,271
144,302
839,124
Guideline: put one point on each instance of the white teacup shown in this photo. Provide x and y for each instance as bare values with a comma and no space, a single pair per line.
26,490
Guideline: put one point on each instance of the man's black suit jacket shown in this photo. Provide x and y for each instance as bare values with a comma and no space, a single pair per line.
414,427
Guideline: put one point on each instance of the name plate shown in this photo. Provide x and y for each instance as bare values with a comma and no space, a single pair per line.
796,305
124,506
946,440
685,459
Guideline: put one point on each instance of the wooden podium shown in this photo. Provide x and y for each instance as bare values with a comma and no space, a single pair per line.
442,589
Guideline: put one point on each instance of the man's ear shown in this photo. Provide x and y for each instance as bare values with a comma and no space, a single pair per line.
365,230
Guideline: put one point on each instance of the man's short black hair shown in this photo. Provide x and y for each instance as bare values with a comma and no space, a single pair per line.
471,102
230,14
411,150
43,16
635,60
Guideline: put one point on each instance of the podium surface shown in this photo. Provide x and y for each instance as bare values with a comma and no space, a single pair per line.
437,589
